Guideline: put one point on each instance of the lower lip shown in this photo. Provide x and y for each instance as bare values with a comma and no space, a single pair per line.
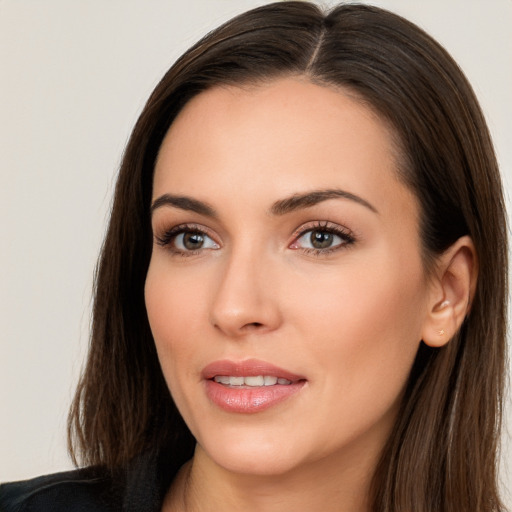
248,400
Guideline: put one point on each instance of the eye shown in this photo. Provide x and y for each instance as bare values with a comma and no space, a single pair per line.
186,240
193,240
322,238
317,239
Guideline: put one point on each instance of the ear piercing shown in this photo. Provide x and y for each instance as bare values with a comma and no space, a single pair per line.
442,306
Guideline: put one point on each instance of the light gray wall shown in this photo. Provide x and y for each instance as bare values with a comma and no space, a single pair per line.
73,78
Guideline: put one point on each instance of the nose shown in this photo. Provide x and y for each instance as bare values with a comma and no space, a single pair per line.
245,300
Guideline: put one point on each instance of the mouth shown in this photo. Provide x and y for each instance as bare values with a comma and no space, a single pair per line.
251,382
249,386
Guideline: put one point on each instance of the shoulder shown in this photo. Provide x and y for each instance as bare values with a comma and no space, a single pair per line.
80,490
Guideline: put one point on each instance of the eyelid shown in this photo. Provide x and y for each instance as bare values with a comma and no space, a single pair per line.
330,227
167,235
320,225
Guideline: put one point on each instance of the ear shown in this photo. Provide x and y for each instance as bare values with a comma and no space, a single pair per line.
451,292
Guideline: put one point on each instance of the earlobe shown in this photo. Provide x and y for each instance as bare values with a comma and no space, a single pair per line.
452,290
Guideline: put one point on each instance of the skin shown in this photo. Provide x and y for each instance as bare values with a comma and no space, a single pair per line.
349,320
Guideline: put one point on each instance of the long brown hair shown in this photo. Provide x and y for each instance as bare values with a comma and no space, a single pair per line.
441,455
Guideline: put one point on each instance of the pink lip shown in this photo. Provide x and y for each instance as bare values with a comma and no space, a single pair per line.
249,399
247,368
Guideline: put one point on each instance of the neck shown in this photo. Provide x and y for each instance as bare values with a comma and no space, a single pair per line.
203,486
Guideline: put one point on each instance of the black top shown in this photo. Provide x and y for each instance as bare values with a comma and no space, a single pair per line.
140,487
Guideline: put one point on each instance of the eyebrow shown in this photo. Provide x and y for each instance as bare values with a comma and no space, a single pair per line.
308,199
281,207
184,203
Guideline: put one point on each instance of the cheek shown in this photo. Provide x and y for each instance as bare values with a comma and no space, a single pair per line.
368,326
174,306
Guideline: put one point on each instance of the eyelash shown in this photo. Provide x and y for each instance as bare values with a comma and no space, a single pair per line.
167,238
345,234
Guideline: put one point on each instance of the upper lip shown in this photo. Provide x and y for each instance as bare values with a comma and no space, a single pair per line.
247,368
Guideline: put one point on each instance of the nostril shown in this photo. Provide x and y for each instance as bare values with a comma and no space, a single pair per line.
253,325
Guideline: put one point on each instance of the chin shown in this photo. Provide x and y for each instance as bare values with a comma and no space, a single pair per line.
255,456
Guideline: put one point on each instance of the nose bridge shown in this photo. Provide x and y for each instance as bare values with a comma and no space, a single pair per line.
244,300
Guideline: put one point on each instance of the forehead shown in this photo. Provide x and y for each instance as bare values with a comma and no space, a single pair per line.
281,137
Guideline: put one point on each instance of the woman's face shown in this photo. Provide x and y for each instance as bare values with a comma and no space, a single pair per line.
285,248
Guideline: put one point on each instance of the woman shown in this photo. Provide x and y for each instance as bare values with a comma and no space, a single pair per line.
307,251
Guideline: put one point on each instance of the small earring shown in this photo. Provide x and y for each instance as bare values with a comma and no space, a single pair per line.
441,332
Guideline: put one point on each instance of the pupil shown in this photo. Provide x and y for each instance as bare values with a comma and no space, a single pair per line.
193,240
321,239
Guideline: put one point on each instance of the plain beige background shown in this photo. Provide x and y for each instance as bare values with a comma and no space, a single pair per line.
74,74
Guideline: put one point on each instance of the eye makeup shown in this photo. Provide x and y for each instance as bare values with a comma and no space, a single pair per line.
324,238
187,239
319,238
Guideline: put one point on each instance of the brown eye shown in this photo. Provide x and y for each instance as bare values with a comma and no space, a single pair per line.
321,239
186,241
193,241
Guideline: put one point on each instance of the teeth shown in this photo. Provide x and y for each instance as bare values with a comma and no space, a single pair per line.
256,381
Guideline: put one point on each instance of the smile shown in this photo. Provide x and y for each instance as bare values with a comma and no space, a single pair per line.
250,386
251,381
